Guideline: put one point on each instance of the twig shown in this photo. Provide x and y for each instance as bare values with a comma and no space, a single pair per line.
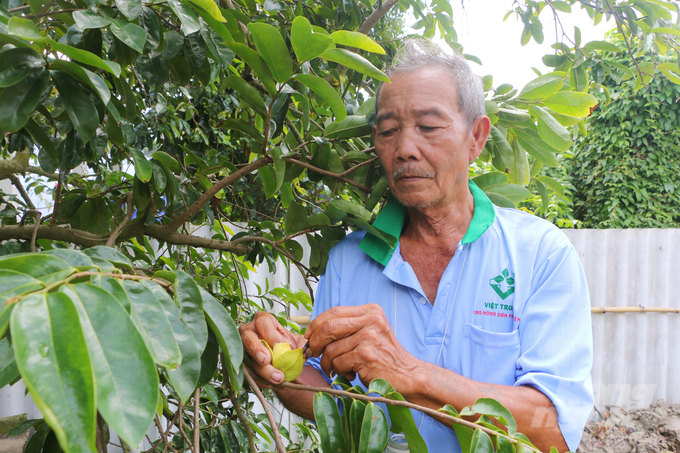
623,33
350,170
164,435
53,13
181,426
239,412
57,199
327,173
34,235
275,429
375,16
210,193
22,191
379,399
197,431
111,241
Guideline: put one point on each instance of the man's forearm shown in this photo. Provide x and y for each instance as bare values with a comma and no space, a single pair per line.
301,402
534,413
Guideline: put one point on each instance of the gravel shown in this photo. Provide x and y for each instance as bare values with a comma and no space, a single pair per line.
652,430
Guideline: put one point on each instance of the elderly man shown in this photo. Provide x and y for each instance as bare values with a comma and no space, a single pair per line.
475,300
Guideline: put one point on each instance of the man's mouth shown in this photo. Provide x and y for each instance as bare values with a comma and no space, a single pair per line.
411,174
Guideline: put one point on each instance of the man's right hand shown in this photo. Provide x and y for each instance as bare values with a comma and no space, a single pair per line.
265,326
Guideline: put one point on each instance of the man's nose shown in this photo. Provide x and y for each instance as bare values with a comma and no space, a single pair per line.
407,146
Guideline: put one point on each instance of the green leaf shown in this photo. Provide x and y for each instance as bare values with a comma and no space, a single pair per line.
52,357
109,254
189,299
307,44
481,442
23,28
503,148
544,85
491,180
242,126
151,321
125,374
500,200
224,329
18,102
247,92
84,76
404,419
187,16
211,8
561,6
601,45
184,378
329,424
356,418
17,63
268,181
130,9
256,62
209,360
352,126
168,160
324,90
553,184
14,283
491,407
214,20
143,169
75,258
358,40
79,106
536,147
41,138
351,208
130,34
8,366
550,129
512,192
356,62
571,103
114,287
273,50
296,218
374,431
43,267
89,19
83,56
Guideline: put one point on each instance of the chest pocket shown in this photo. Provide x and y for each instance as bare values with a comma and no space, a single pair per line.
489,356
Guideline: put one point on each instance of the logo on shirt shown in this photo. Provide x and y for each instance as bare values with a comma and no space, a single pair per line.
503,280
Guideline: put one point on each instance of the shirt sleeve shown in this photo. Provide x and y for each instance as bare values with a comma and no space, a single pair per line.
555,330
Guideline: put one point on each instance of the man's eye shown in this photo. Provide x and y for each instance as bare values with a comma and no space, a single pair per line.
388,132
428,128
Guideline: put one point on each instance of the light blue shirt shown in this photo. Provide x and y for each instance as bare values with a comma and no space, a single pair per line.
521,314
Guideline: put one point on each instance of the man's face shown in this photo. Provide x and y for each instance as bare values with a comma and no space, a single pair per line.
422,139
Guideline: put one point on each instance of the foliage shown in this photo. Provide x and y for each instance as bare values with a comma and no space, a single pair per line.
182,143
625,169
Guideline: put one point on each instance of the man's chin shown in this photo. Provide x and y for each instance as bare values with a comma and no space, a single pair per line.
417,202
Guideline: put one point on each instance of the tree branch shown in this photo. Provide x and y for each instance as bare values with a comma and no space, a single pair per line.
21,190
327,173
275,429
111,241
350,170
207,196
375,16
379,399
239,412
85,239
197,431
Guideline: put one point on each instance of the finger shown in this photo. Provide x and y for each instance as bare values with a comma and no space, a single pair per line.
269,373
335,329
254,347
272,331
337,313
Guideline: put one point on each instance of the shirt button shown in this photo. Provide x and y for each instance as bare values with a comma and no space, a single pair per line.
423,300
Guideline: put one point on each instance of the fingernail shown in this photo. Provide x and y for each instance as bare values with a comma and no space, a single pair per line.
261,357
277,376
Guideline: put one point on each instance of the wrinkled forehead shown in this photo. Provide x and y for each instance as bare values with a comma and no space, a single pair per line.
419,81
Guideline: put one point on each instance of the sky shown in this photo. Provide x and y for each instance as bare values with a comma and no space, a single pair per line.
482,33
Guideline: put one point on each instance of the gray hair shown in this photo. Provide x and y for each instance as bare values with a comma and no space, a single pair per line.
418,53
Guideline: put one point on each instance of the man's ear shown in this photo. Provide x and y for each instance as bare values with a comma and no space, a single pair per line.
480,132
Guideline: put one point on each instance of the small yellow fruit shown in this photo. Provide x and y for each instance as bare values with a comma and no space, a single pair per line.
288,360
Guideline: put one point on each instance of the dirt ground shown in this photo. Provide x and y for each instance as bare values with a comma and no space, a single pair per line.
652,430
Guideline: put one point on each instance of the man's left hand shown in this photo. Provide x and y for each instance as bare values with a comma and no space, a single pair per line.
360,341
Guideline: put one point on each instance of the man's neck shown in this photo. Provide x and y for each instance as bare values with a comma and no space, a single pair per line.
440,228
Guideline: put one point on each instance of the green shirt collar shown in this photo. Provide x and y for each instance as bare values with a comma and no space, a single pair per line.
393,215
